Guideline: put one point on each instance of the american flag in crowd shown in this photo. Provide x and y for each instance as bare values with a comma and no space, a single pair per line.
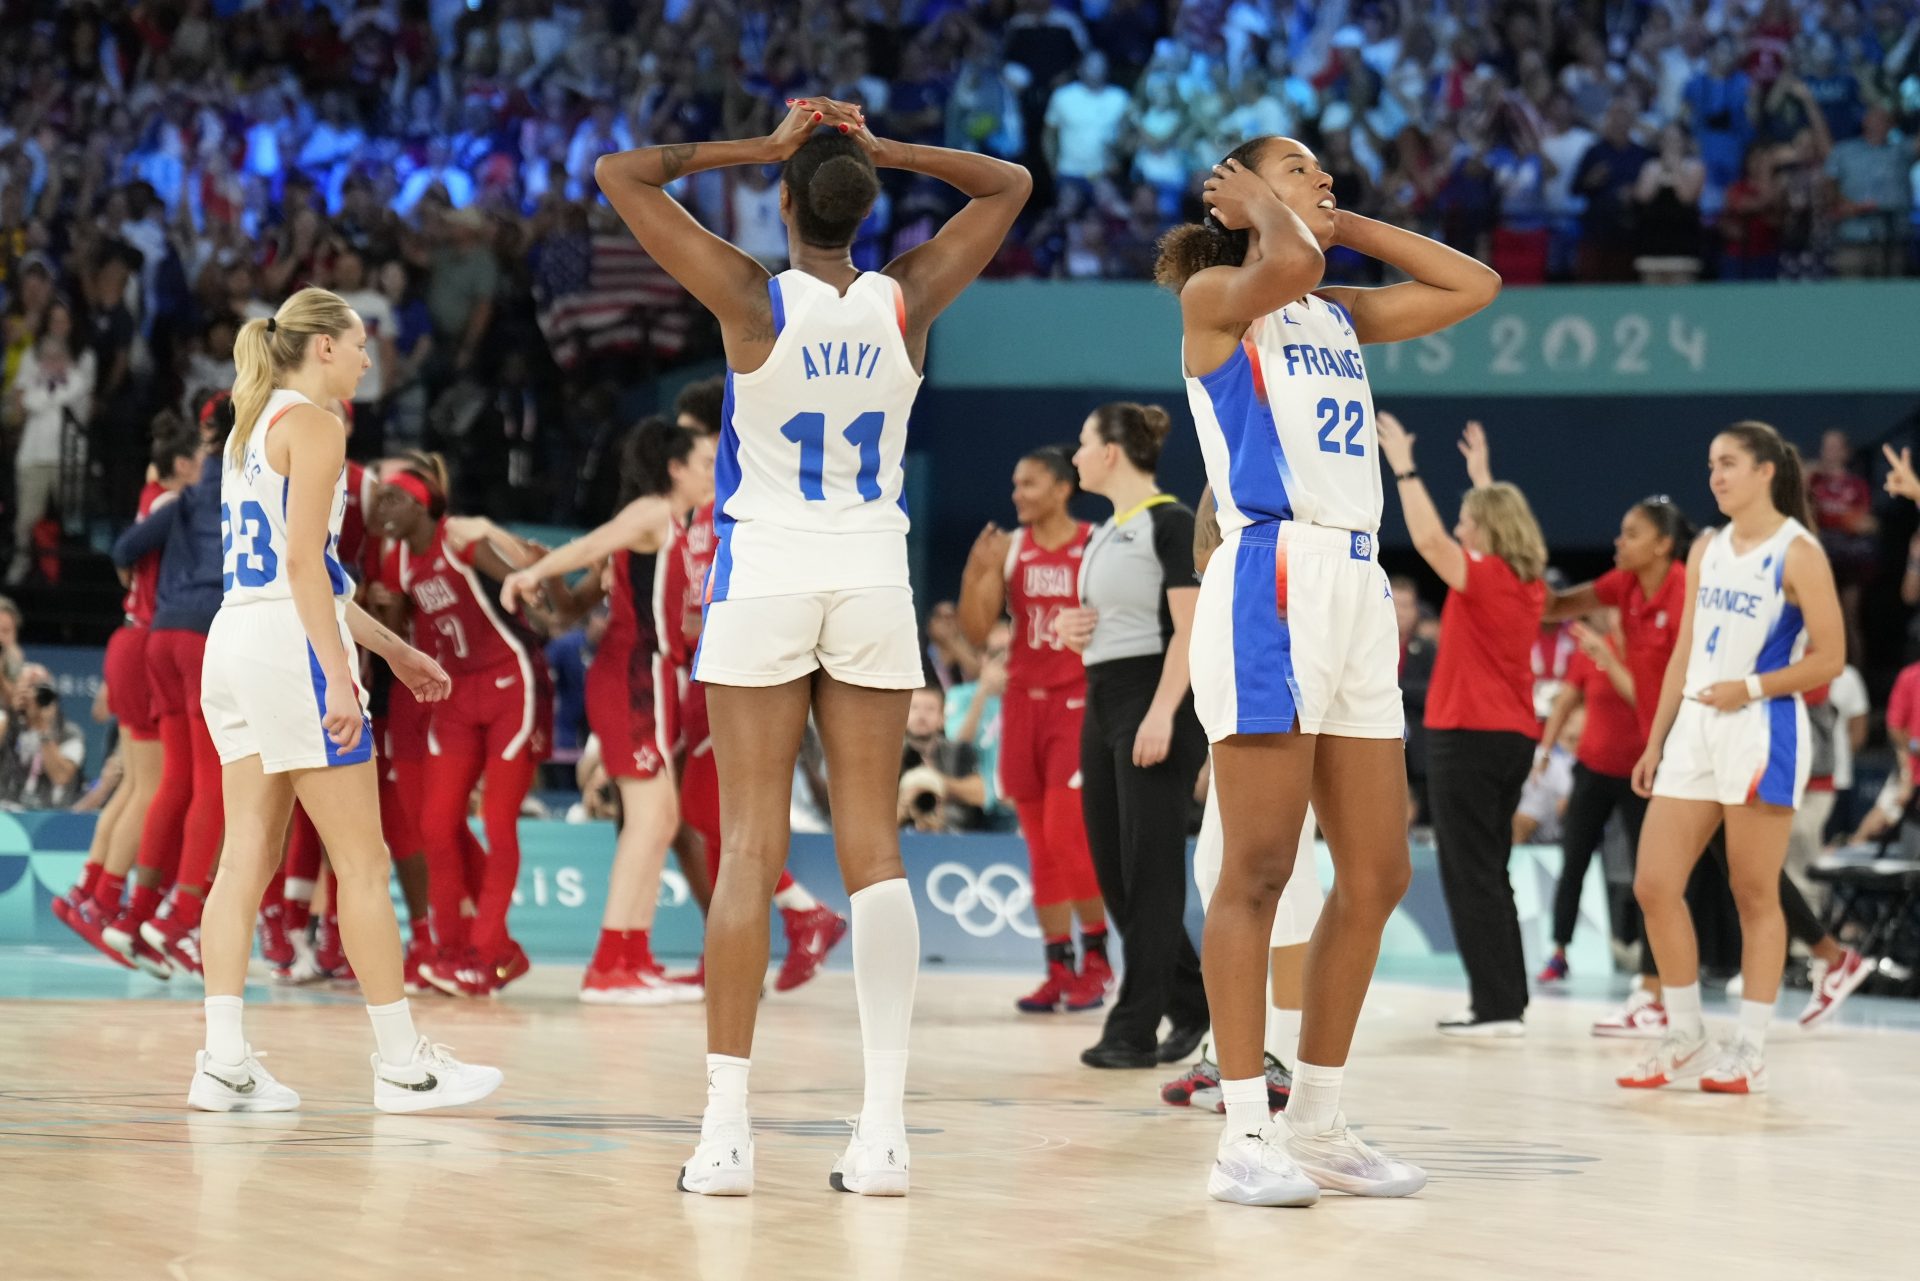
601,295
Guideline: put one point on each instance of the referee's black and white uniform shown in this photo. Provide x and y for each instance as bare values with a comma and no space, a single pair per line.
1137,819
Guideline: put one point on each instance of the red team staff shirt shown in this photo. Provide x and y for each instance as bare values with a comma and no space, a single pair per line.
455,609
1041,583
1611,741
1652,627
1483,674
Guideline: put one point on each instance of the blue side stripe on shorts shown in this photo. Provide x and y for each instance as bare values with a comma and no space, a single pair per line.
1266,692
1783,753
726,482
362,750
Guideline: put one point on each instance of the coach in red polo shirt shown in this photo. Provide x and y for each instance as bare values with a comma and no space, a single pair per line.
1481,726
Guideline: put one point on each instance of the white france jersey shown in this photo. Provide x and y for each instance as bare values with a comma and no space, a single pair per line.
1743,624
253,519
808,490
1286,424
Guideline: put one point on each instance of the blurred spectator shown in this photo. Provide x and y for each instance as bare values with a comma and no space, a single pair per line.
973,715
951,659
49,400
1843,511
1084,123
350,281
1750,223
941,788
1667,196
44,751
1418,632
462,279
1871,192
13,659
1606,178
1720,109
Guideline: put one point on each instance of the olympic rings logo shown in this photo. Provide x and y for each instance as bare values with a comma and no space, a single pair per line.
998,897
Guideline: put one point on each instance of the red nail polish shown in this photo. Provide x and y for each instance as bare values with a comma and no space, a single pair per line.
817,117
843,128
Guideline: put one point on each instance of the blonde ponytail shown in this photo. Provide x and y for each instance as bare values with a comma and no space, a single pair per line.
265,351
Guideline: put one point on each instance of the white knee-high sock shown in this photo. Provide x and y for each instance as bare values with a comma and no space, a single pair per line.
886,964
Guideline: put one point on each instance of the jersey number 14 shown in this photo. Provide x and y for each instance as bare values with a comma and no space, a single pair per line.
809,431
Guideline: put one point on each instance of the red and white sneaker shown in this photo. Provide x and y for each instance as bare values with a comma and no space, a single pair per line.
1204,1075
63,906
1211,1098
810,936
1740,1067
605,986
122,934
178,943
418,954
1095,966
476,978
442,971
653,977
329,954
1833,984
1679,1058
86,919
1052,992
1641,1019
648,984
514,965
696,978
276,949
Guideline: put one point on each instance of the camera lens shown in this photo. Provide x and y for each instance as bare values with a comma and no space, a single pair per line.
45,697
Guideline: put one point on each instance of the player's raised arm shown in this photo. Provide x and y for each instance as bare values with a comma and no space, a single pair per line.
932,275
1282,263
725,280
1446,287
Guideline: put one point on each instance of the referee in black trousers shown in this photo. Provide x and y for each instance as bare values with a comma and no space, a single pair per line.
1141,747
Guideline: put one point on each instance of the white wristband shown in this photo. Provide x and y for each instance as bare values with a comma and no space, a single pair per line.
1753,688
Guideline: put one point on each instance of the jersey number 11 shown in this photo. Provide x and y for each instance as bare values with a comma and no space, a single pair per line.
809,431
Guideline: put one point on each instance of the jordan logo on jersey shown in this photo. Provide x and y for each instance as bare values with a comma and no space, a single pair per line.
840,358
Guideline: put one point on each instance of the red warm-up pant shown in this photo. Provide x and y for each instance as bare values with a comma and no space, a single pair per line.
183,829
700,786
1039,773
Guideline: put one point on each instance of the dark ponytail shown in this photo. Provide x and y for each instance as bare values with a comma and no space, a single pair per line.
1139,430
1767,445
647,457
832,185
1193,247
1666,516
1057,459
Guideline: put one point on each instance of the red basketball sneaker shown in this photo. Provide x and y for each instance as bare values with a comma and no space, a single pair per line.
329,957
276,949
513,966
1094,965
1049,996
605,985
64,905
174,939
442,970
85,919
419,952
122,934
810,936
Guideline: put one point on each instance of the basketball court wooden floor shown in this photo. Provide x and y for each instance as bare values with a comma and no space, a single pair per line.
1025,1164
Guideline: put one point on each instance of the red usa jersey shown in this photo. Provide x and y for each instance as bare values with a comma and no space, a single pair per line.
1041,583
637,606
457,608
359,554
689,557
145,587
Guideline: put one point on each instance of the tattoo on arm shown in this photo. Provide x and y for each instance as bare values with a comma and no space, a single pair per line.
675,158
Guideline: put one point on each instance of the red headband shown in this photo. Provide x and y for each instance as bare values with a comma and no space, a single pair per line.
413,487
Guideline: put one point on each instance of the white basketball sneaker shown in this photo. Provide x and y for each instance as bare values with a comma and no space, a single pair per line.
721,1166
1254,1169
433,1079
874,1164
241,1087
1339,1162
1679,1058
1740,1067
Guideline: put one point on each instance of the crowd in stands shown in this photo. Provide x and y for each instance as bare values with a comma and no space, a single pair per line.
170,167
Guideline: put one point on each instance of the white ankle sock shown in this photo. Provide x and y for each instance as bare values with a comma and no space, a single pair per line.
1315,1100
1754,1017
1683,1008
226,1042
886,964
795,899
1246,1105
1283,1034
393,1032
726,1092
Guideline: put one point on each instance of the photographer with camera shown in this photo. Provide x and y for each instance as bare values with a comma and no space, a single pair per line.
941,789
45,751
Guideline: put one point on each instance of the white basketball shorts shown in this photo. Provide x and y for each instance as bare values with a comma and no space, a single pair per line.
263,694
1757,755
1295,630
1299,909
867,637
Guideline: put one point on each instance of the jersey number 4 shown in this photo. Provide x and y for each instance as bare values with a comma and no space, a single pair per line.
809,431
255,564
1331,412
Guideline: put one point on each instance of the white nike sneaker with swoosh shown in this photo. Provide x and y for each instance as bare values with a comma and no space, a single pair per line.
873,1165
433,1079
720,1166
238,1087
